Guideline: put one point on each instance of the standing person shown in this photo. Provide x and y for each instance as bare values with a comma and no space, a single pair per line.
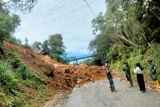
109,76
153,73
126,69
140,79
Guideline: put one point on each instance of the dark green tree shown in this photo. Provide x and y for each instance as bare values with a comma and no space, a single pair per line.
26,42
22,5
127,25
15,40
8,23
45,46
56,44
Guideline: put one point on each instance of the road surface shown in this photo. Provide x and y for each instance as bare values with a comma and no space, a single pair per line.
98,94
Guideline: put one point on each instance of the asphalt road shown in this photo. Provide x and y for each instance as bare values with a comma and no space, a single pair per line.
98,94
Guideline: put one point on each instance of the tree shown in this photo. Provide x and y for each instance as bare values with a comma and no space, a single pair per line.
15,40
45,46
56,44
150,19
8,23
22,5
54,48
26,42
128,23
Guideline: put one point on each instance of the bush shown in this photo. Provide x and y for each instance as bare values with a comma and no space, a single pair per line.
89,62
7,78
5,101
58,58
16,102
15,78
134,56
23,72
13,39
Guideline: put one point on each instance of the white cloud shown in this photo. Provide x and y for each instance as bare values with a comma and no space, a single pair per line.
71,18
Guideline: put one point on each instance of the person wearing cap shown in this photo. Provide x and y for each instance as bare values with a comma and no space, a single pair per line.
109,76
140,79
153,73
126,69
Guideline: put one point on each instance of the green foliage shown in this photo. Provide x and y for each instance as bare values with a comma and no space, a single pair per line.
113,53
14,72
15,40
7,77
101,43
151,19
54,48
8,23
22,70
56,44
58,58
22,5
129,30
45,46
4,100
16,102
26,42
127,24
134,56
88,62
9,101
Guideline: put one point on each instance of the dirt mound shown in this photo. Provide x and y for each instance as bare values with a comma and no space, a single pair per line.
68,76
57,75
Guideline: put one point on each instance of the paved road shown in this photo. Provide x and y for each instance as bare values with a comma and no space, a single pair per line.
97,94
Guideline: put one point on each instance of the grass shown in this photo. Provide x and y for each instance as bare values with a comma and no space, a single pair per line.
20,86
37,98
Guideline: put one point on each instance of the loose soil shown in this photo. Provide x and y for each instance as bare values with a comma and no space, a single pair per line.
59,76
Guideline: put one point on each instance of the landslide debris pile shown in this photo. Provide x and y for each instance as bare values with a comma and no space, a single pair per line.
67,76
57,76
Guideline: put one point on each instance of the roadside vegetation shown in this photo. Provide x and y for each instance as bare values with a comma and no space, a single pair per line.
19,84
128,31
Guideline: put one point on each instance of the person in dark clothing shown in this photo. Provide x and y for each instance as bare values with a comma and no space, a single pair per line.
126,69
109,77
153,73
140,79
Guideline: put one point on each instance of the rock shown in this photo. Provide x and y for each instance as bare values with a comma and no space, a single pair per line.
79,81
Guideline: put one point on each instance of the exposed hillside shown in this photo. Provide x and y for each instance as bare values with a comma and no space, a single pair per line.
40,76
46,74
57,75
19,85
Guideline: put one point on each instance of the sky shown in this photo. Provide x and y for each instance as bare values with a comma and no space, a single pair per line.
71,18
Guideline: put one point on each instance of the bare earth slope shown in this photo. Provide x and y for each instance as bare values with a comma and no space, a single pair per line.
58,76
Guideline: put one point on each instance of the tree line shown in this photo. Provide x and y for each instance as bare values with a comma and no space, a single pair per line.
53,46
10,21
127,25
